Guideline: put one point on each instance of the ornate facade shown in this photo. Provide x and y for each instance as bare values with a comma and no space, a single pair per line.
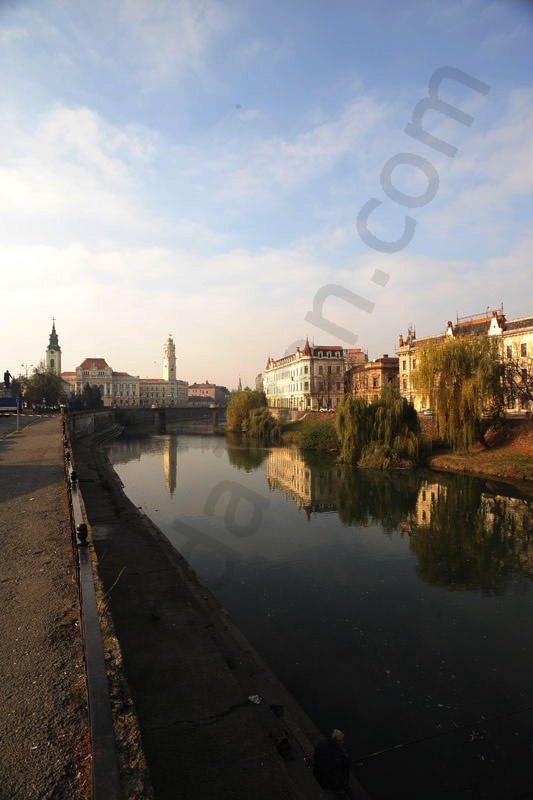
369,378
123,389
307,380
514,336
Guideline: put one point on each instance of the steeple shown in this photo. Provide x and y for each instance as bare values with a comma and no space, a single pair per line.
53,352
53,336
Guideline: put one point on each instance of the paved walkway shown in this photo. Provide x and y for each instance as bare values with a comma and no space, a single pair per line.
44,740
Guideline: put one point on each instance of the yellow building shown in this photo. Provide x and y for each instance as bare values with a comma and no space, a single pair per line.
516,343
122,389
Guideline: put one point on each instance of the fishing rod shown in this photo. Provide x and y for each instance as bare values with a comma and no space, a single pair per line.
482,721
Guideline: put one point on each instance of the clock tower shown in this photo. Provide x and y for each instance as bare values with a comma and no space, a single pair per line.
169,360
53,352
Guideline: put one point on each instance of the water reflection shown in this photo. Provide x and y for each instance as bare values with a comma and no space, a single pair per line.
467,539
412,589
311,483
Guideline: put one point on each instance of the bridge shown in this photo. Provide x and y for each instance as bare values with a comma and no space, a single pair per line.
136,420
170,419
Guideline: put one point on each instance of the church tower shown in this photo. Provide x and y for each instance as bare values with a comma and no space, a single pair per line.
53,352
169,360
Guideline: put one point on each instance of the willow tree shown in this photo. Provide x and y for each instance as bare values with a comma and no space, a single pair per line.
262,425
382,434
460,378
352,428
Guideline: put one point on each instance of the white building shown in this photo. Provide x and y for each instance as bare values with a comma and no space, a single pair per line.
122,389
307,380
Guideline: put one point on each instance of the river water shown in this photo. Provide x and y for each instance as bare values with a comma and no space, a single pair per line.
395,606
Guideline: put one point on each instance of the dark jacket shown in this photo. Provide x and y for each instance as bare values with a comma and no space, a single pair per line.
332,765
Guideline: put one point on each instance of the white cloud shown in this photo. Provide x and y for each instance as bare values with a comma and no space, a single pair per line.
169,37
279,164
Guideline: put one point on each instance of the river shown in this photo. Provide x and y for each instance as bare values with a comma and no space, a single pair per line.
395,606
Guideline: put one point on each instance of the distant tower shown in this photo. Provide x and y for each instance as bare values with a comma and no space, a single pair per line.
53,352
169,360
239,385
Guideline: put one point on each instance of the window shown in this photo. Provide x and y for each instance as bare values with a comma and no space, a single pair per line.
523,349
320,370
404,384
329,353
338,370
306,386
509,351
414,363
375,382
306,370
329,370
337,354
338,387
404,365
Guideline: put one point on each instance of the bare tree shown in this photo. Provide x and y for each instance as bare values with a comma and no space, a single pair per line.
518,376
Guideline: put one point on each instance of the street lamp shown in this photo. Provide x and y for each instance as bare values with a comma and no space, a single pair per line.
26,368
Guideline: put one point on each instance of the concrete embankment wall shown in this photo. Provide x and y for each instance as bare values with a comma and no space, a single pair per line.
287,414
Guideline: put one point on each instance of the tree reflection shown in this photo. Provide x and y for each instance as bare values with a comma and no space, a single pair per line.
243,453
472,541
377,496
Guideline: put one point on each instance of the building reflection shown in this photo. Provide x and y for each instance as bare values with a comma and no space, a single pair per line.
514,517
465,538
310,487
429,495
170,463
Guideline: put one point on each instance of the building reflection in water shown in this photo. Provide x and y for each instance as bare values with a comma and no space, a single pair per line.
465,538
310,487
428,496
170,463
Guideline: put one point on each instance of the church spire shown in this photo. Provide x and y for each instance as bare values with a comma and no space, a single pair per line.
53,336
53,351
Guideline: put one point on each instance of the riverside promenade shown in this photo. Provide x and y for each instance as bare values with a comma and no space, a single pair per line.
44,724
215,722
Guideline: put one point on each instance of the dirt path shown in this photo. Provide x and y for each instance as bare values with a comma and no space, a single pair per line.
44,734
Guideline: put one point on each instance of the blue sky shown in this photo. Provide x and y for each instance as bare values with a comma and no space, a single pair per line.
197,167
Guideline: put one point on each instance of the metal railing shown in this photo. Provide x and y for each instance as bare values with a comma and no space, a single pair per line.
105,768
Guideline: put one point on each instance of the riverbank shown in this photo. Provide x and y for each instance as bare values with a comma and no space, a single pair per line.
508,455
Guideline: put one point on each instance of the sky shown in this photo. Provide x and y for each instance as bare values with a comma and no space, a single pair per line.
237,174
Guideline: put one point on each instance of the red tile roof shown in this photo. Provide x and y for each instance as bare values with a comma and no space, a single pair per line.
99,363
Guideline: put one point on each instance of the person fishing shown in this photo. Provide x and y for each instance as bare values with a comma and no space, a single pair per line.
332,764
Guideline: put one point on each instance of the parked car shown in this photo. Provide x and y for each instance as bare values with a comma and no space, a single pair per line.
427,412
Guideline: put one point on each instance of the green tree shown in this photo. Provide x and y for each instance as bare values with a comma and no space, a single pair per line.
262,425
239,406
460,378
321,436
384,433
90,399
